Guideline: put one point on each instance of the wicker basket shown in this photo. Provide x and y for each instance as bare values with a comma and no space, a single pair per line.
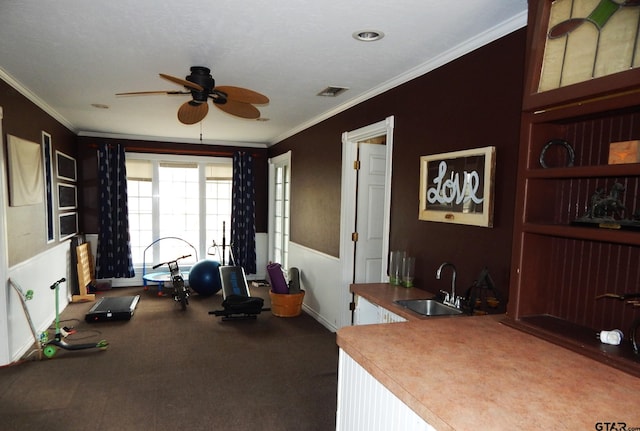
286,304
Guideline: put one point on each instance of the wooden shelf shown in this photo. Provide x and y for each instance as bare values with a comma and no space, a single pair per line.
579,339
623,170
594,234
559,267
589,104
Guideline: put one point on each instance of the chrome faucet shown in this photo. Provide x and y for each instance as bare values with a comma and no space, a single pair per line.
449,298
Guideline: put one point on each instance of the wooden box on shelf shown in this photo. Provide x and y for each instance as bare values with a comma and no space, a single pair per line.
624,152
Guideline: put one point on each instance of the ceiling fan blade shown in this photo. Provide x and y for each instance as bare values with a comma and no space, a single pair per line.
182,82
239,109
192,112
244,95
138,93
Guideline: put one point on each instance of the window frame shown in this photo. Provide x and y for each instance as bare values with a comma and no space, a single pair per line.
201,161
283,160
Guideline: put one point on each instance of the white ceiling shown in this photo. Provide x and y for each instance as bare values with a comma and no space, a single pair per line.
66,55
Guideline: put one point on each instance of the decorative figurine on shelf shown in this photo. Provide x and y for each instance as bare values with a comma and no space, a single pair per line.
607,206
606,210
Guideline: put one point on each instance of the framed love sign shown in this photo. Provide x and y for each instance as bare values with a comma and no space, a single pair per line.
457,187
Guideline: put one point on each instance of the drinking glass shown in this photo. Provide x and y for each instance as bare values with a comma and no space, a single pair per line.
395,267
408,271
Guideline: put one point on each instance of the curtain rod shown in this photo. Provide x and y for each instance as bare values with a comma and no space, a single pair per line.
190,152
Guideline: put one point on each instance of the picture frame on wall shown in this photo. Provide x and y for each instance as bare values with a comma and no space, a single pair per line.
66,167
25,173
47,163
457,187
67,197
68,225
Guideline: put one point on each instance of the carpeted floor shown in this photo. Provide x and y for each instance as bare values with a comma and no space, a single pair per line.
168,369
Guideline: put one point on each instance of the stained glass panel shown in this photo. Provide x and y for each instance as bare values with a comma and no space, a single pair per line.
589,39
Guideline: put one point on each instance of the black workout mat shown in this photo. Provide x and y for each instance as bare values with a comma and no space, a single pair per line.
112,308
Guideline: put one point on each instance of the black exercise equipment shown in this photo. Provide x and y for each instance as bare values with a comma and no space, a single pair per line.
112,308
238,302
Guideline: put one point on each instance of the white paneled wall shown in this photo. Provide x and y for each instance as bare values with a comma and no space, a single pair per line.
320,278
387,316
367,313
37,274
364,404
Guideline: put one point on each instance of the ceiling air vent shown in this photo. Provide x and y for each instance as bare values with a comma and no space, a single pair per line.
332,91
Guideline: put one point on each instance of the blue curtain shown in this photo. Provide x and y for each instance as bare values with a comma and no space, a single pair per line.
243,226
113,258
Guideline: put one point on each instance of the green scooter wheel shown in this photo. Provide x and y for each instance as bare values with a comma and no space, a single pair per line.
49,351
102,344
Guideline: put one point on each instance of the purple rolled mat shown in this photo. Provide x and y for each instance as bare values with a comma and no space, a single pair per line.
278,283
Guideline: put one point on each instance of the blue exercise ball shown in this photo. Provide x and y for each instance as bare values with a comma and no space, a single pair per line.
204,277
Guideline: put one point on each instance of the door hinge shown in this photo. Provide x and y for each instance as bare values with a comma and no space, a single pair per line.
356,165
352,306
354,236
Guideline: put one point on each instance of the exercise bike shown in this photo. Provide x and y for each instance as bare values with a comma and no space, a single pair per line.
50,347
180,291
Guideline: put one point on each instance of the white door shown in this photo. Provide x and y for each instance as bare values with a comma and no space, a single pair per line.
370,218
5,356
368,259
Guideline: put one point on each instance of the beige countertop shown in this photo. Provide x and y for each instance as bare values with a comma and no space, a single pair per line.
384,294
471,373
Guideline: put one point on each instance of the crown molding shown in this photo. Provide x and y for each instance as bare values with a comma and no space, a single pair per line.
32,97
504,28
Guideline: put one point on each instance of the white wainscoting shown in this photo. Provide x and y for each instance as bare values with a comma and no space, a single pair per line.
320,277
365,404
37,274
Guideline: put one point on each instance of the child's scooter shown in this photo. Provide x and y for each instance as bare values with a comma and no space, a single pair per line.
24,297
50,346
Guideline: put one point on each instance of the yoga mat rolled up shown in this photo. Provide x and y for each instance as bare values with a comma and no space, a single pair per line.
278,283
294,280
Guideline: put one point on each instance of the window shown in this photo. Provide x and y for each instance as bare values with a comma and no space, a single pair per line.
279,206
184,197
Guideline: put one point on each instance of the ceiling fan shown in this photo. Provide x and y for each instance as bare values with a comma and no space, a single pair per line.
200,84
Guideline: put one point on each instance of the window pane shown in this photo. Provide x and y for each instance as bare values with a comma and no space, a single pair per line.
280,210
218,212
178,204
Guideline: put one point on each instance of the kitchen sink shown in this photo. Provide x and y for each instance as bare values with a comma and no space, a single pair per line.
429,307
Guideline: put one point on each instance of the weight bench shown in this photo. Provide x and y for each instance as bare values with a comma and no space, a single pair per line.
237,300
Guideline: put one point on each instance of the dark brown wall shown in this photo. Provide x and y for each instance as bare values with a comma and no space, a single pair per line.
88,167
26,225
472,102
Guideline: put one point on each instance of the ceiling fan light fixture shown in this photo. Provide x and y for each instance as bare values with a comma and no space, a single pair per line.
368,35
332,91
